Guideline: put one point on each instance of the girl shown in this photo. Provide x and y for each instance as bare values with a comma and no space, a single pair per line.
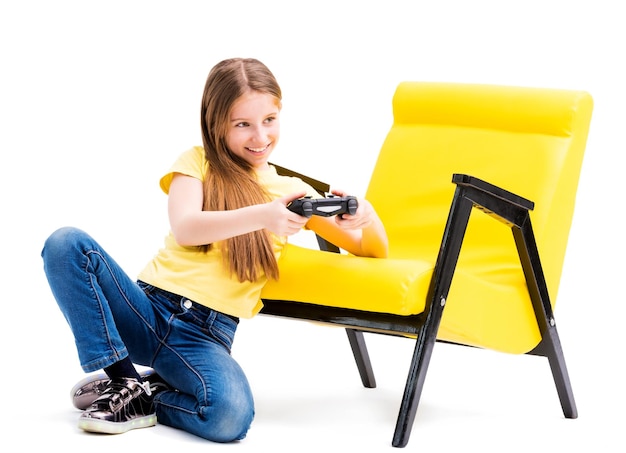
229,222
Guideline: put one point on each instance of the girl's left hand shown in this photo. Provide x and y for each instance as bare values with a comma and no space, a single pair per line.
361,219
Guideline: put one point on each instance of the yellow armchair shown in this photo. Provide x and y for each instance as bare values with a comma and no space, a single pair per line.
455,273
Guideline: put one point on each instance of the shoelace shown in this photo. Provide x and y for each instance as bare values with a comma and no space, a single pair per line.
118,394
146,387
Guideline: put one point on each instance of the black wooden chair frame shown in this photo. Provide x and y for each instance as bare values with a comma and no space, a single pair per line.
511,210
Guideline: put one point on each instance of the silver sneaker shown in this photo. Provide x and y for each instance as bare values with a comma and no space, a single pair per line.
87,390
124,404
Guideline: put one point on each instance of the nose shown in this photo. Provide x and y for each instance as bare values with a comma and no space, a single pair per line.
259,135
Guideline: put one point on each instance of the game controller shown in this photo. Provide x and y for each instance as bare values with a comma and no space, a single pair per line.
325,207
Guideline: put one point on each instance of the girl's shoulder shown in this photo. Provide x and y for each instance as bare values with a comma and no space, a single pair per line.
191,162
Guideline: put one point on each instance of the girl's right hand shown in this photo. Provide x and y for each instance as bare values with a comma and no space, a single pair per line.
280,220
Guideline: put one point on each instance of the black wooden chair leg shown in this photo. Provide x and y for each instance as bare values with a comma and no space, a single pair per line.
454,232
561,377
550,345
362,358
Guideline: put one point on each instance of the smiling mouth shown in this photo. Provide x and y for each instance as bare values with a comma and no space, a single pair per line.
258,150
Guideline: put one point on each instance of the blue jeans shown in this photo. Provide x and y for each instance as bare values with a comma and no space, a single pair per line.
113,317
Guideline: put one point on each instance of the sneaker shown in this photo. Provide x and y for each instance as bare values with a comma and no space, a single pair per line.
125,404
87,390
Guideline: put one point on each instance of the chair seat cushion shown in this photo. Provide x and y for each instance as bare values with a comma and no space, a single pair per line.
395,286
486,307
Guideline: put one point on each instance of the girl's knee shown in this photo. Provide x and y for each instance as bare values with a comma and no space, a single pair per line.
228,422
60,238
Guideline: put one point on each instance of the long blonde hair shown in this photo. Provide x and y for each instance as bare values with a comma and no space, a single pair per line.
231,182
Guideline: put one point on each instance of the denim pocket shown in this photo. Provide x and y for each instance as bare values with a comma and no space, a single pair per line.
223,329
217,326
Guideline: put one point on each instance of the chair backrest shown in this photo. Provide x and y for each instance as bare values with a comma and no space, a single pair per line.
529,141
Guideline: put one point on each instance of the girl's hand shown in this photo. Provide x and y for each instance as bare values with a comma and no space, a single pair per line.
363,217
361,234
280,220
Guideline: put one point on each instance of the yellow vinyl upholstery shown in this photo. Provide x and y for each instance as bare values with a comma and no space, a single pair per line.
529,141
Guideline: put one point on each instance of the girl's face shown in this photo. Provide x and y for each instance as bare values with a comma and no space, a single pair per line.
253,128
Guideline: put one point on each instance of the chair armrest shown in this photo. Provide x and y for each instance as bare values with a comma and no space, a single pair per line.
466,180
321,187
493,200
326,246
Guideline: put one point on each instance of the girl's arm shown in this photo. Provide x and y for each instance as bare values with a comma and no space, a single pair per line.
191,226
361,234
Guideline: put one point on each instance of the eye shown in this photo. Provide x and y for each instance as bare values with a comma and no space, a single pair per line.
242,124
270,119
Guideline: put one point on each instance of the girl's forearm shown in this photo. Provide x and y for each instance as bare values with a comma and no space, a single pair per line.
207,227
374,240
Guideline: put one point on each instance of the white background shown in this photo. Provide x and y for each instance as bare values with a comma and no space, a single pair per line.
98,98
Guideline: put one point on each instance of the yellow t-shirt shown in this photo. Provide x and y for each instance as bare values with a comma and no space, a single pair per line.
201,276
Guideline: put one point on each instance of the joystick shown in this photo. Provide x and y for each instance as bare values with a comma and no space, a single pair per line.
325,207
